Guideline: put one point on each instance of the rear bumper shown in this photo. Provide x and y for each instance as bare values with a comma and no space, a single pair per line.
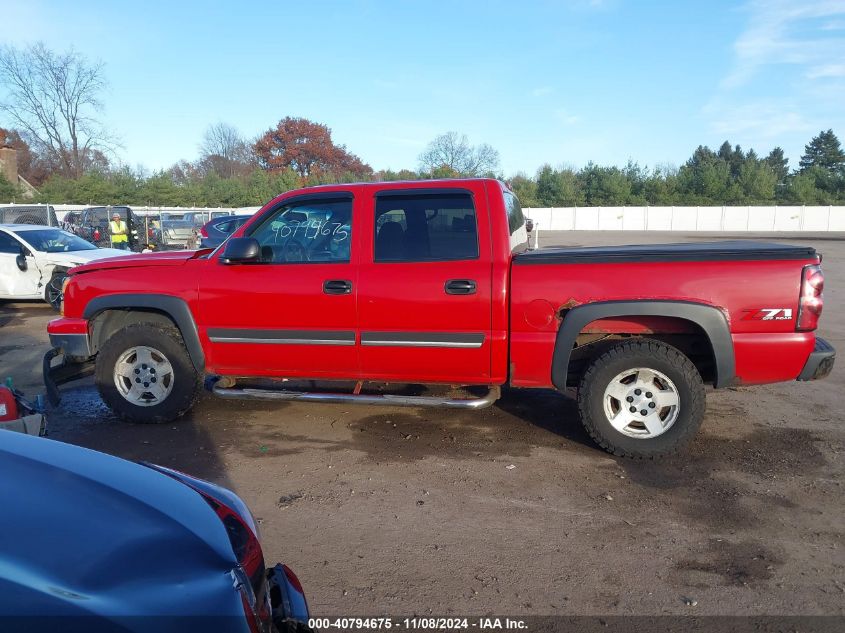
820,362
287,600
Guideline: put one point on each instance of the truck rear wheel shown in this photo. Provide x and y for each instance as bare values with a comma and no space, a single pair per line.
642,399
144,374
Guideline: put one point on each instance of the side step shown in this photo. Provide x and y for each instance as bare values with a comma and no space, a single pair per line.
387,399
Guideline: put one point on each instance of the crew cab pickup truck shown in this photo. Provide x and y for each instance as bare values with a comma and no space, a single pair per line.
431,282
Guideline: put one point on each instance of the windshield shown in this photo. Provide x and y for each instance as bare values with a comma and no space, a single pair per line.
54,241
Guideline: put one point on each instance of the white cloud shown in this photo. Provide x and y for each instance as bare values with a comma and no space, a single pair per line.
828,70
542,91
760,120
784,32
566,117
786,77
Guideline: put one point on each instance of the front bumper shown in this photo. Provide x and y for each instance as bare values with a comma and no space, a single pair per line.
820,362
63,372
69,340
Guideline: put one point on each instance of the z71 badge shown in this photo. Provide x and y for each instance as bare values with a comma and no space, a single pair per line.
768,314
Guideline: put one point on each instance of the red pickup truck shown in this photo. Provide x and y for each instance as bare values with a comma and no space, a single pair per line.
432,282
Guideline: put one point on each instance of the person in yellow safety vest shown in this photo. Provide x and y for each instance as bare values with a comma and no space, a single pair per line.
119,233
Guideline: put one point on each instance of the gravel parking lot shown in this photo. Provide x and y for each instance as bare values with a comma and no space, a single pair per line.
513,510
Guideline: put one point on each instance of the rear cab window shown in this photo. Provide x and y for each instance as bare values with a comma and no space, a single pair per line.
516,223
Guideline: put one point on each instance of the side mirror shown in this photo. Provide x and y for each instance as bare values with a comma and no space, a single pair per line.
20,260
241,250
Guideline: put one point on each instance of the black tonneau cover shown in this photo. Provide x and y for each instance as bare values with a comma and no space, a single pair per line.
736,250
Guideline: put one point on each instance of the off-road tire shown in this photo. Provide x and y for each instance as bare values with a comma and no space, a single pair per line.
168,340
650,354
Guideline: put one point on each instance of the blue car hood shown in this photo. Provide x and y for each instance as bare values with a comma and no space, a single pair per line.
89,535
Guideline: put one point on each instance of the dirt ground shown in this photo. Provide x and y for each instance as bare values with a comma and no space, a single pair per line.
513,510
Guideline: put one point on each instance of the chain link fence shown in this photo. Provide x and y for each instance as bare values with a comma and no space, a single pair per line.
148,229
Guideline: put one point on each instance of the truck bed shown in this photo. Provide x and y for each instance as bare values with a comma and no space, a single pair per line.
736,250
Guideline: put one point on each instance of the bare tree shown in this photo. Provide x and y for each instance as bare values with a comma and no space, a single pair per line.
224,151
53,99
451,152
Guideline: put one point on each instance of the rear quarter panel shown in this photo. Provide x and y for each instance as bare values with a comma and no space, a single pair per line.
765,350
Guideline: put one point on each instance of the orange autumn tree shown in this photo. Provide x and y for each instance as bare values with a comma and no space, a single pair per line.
307,148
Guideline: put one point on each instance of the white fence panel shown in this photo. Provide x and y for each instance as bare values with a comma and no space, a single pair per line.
563,219
817,219
715,219
788,219
735,219
684,218
837,219
542,217
634,219
709,219
659,219
611,218
587,219
762,218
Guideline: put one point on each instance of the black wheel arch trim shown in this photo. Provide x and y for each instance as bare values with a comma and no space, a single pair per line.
174,307
709,318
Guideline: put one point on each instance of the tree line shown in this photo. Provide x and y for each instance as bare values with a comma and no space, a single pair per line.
51,104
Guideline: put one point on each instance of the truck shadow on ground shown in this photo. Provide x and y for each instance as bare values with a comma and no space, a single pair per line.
518,423
187,445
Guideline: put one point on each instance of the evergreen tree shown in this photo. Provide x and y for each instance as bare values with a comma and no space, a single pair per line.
824,151
779,164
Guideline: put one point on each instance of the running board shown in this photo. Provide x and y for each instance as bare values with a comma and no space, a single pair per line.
387,399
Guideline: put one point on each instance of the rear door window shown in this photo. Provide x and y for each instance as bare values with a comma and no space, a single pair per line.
423,227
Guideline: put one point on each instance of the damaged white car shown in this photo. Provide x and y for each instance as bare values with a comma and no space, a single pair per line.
34,260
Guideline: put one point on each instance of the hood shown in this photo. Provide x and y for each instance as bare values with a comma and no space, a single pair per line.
164,258
98,536
76,258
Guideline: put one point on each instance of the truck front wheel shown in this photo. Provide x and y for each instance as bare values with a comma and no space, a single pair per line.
641,398
144,374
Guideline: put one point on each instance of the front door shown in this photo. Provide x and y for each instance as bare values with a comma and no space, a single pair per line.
15,282
424,292
293,314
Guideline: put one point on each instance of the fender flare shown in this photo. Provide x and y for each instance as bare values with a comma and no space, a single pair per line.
709,318
174,307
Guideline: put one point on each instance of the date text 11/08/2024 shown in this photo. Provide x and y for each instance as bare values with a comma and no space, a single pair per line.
418,623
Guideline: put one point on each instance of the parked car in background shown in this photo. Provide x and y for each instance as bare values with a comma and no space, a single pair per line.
71,220
180,229
98,543
43,214
215,232
92,225
34,260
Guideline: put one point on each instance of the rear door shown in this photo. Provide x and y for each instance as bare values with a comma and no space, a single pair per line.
293,314
424,289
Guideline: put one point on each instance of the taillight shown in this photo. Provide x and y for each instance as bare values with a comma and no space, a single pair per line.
811,301
203,232
249,575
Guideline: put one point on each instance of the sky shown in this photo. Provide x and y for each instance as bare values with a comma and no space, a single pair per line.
559,82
